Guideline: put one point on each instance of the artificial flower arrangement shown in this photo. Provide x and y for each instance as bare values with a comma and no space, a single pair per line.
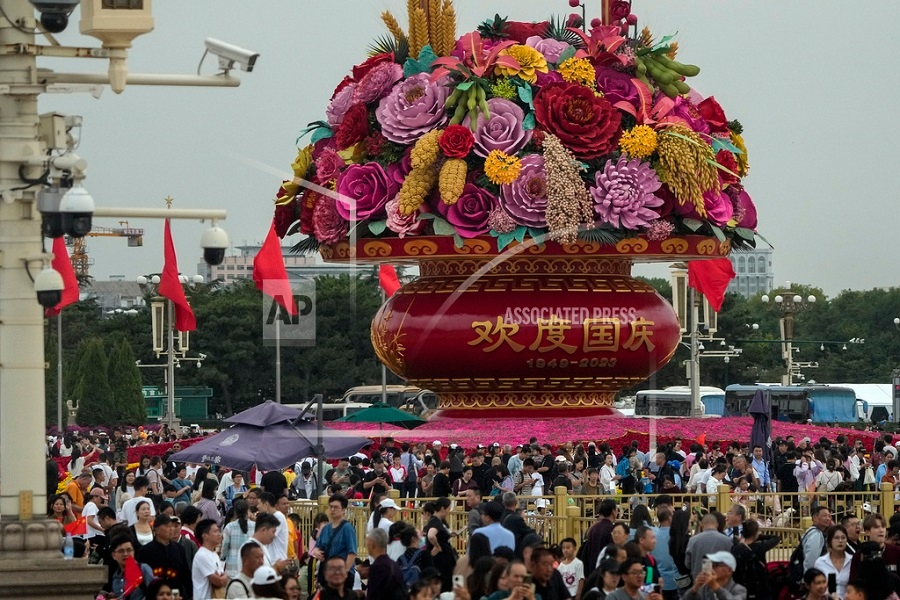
544,130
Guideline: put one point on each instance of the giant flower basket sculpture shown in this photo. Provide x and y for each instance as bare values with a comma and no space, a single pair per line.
524,167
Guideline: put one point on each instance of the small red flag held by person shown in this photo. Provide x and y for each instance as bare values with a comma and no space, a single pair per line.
711,278
268,266
387,277
132,575
63,265
170,286
78,526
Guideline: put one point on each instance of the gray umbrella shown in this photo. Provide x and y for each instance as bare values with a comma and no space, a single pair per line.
761,433
267,413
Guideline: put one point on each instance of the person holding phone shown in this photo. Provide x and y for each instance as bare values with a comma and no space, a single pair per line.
714,582
633,575
836,562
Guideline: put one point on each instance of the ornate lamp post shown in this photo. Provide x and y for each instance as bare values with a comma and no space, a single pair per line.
788,304
162,318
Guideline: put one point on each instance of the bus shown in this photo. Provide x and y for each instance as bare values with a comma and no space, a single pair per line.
799,404
398,396
331,411
676,402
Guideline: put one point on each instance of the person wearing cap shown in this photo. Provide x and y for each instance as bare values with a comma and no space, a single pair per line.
306,485
167,559
76,490
719,584
266,583
384,516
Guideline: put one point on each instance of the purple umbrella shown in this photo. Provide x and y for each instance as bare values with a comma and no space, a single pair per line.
269,448
761,433
265,414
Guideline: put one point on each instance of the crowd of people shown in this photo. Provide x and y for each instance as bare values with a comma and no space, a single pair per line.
220,533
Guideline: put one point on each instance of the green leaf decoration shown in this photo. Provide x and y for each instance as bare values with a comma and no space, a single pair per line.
529,122
311,127
566,55
505,239
717,231
744,233
692,224
526,95
760,236
442,227
458,241
426,216
519,233
321,133
465,85
536,234
422,64
724,144
664,43
377,227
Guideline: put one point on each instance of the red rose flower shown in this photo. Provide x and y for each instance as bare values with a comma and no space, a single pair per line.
307,203
285,214
586,124
519,32
353,128
456,141
727,160
713,114
619,9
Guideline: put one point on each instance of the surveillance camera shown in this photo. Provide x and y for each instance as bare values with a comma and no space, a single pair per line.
77,209
49,287
214,243
55,13
229,54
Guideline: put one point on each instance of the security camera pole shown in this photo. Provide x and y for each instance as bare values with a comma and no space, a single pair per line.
23,169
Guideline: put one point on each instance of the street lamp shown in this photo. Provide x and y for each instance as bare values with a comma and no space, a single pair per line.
162,319
788,304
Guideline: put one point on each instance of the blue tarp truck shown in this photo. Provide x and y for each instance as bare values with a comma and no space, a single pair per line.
819,403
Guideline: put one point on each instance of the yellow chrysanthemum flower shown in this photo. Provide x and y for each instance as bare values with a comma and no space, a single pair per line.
502,168
742,161
578,70
639,141
531,62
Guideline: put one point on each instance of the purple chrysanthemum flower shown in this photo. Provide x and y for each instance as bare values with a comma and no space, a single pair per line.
623,196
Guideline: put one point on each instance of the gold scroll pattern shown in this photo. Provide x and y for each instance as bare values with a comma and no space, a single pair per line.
531,266
524,399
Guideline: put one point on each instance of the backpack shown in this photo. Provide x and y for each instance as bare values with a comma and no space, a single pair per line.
409,569
795,563
751,573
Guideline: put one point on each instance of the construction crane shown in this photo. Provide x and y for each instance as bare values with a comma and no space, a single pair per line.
80,261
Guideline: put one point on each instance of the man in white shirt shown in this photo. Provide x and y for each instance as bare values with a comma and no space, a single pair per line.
279,546
208,571
715,480
141,484
263,535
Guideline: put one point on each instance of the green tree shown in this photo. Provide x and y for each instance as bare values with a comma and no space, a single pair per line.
125,385
92,391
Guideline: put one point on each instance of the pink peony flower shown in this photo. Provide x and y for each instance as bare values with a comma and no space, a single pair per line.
544,79
328,165
503,131
469,216
378,82
549,47
686,109
623,196
414,107
616,86
719,208
338,107
525,199
329,226
744,209
365,189
403,225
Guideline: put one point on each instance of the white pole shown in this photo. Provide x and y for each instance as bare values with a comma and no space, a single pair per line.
170,365
22,386
59,374
278,353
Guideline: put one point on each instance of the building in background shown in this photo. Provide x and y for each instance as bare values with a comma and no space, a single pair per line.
240,266
754,273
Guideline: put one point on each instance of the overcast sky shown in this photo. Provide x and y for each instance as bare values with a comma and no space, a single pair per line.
813,82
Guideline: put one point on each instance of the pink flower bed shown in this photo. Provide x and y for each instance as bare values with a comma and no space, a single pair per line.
615,430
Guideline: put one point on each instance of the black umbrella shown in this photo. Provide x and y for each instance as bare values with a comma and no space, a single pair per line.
267,413
761,433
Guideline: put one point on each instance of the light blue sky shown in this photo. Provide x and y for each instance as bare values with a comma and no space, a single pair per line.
813,82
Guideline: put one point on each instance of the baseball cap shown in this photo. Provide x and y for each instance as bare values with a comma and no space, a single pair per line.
436,443
723,557
453,446
388,503
305,466
806,439
560,458
99,492
496,444
608,565
264,576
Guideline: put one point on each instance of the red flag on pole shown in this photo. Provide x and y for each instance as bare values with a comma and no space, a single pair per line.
268,265
170,286
711,278
132,575
79,525
63,265
387,277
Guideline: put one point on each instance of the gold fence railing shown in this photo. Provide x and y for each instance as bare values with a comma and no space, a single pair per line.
786,515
